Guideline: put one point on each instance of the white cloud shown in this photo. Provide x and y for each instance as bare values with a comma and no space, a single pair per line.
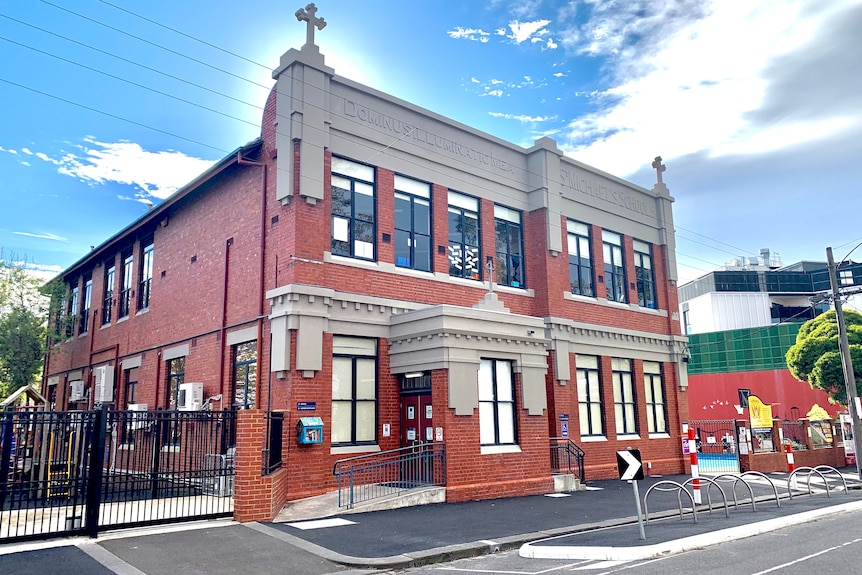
687,89
558,74
45,158
474,80
156,174
522,118
522,31
475,34
43,236
27,151
497,93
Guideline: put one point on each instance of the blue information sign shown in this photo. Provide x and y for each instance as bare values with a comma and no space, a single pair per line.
306,406
564,429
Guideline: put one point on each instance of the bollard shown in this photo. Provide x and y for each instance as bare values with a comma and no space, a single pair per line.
791,464
692,454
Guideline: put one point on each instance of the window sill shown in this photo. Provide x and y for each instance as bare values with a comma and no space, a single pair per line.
142,311
354,449
628,437
171,449
104,325
578,297
348,261
494,449
593,438
122,319
514,290
653,311
659,436
126,447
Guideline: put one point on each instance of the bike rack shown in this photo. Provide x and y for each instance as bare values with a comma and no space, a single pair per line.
679,491
829,469
810,470
710,483
736,479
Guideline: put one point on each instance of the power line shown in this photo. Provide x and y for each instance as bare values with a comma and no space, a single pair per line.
155,44
128,61
181,33
34,90
142,86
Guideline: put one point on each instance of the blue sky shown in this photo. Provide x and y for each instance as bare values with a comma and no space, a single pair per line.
756,106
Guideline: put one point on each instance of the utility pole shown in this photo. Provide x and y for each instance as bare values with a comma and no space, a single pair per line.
846,360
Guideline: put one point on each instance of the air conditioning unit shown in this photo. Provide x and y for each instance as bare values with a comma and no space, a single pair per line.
191,397
76,390
138,420
104,388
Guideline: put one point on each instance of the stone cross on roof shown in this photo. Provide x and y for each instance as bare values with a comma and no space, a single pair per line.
307,15
658,167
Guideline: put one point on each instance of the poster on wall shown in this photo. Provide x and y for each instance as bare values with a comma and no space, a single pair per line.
759,414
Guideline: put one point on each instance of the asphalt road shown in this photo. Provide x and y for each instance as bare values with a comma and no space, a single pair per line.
831,545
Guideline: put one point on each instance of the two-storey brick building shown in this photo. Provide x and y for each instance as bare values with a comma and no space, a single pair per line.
405,278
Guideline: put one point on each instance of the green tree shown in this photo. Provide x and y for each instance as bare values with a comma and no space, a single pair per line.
22,334
22,326
815,358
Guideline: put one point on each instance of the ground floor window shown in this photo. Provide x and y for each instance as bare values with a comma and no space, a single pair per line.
176,374
354,390
654,393
244,380
624,396
497,424
589,395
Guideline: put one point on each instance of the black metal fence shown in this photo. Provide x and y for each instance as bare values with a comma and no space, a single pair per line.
78,472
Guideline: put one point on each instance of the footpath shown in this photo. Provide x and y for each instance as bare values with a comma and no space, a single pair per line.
598,523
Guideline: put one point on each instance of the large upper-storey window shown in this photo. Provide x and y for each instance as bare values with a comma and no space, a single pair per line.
72,311
655,405
615,276
126,289
624,396
645,274
146,280
580,259
497,403
412,224
86,303
354,390
589,395
108,296
464,254
353,222
510,247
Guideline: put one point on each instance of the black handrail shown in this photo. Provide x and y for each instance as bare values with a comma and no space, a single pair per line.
567,457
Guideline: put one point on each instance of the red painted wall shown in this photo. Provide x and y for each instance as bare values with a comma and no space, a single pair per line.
713,396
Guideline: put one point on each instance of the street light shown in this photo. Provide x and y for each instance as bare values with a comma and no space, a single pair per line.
846,360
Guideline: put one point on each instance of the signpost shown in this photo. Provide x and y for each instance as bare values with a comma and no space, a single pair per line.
632,470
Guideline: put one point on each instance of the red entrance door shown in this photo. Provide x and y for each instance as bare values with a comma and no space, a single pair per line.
416,420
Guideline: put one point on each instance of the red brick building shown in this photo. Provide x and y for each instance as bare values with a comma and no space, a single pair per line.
405,278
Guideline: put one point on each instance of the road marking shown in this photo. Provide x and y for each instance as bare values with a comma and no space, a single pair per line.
557,495
321,523
807,557
109,560
498,572
600,565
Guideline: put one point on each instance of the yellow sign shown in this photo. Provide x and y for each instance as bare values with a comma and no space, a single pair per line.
760,414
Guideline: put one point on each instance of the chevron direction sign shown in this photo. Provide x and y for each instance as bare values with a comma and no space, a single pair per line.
629,464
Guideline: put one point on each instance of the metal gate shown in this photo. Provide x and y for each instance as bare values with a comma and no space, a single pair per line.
717,449
64,473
